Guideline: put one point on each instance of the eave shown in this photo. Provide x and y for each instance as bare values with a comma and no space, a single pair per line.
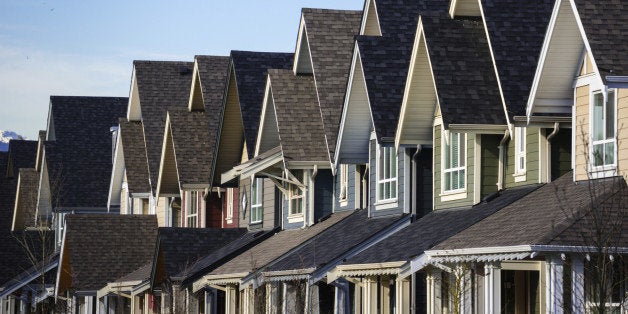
478,128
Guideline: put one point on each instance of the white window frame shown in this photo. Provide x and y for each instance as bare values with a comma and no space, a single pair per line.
191,217
386,178
344,183
296,193
257,192
445,145
520,150
605,141
229,199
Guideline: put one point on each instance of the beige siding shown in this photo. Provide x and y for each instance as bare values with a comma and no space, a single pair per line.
160,211
581,130
371,25
232,135
587,66
269,204
622,131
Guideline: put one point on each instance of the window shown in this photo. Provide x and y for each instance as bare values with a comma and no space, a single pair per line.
296,195
60,217
229,213
257,189
191,214
520,150
603,130
344,181
454,163
386,174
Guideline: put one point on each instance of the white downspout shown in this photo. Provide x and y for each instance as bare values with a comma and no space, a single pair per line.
311,195
502,165
548,158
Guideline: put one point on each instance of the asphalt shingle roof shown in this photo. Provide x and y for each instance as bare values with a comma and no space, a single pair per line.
135,162
184,247
103,248
28,186
331,36
274,247
251,73
22,154
223,254
463,71
79,159
162,86
334,241
541,216
433,228
298,116
605,24
516,30
398,18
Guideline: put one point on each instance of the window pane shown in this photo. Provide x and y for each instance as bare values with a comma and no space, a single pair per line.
382,164
610,115
454,150
598,155
454,180
447,153
393,189
381,190
393,162
462,152
447,183
598,117
462,176
386,190
609,153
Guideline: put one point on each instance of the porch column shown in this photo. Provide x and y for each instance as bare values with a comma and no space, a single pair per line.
230,300
492,288
341,296
554,285
402,295
210,301
433,283
577,285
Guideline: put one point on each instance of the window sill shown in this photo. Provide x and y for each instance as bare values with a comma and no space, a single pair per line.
599,172
344,203
520,177
386,204
229,220
453,195
295,218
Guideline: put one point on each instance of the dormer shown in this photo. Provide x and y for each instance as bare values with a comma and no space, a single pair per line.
465,8
370,20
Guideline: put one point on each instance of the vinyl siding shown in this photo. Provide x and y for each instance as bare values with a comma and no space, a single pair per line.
560,152
349,204
489,166
532,159
268,201
244,214
582,132
468,200
232,135
323,194
398,207
160,211
286,206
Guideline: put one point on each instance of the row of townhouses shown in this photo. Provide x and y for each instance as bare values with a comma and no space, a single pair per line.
432,156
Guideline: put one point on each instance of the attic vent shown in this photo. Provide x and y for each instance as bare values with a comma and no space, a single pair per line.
183,70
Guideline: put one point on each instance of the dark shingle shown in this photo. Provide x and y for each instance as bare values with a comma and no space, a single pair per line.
301,131
103,248
79,158
539,217
251,72
27,198
516,30
334,241
330,35
22,154
183,247
135,161
463,70
162,86
605,23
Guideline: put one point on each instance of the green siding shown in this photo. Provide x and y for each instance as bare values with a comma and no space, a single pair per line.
490,163
532,159
561,153
437,173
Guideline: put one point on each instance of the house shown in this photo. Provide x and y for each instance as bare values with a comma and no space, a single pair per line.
156,87
98,249
74,161
190,138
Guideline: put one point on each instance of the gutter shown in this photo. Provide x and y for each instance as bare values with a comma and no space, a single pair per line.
502,164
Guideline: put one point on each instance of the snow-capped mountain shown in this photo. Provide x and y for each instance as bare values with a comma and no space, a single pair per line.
5,137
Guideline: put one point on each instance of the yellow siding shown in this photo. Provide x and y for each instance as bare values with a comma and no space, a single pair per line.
371,26
232,135
581,130
160,211
587,66
622,131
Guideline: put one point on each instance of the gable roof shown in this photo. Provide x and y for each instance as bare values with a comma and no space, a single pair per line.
26,199
516,30
98,249
250,70
541,217
298,120
161,85
330,35
135,162
336,241
212,72
180,248
79,158
434,228
398,18
22,154
464,75
604,23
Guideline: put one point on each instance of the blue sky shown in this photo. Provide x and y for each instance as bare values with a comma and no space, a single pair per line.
87,47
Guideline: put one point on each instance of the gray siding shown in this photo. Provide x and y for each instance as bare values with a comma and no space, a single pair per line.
323,194
374,208
244,216
489,166
351,201
286,208
468,200
268,199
